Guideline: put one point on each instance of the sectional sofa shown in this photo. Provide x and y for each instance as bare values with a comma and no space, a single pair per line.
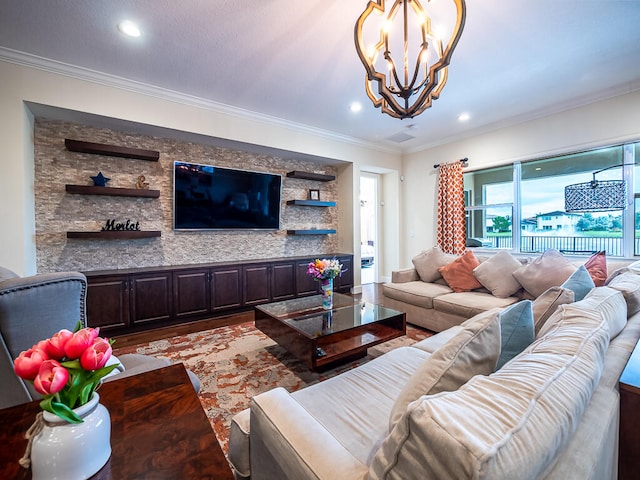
453,407
474,287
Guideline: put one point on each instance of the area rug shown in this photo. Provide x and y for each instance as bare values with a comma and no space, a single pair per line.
237,362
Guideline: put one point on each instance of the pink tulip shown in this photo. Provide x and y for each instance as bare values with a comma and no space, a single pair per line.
51,378
96,355
28,363
79,342
55,345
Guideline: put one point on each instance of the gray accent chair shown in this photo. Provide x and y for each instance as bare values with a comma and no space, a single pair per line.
34,308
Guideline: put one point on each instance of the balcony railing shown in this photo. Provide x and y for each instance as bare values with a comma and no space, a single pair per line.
570,245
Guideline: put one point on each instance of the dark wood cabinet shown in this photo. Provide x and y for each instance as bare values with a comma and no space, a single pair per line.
191,292
125,301
283,281
151,297
226,288
108,301
256,285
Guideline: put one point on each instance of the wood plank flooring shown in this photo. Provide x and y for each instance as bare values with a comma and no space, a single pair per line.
371,292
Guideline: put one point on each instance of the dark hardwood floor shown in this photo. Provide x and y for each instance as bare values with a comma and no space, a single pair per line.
371,292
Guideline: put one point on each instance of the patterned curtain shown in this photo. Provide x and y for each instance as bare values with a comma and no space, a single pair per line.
451,234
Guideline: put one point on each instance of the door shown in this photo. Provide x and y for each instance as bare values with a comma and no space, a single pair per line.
369,185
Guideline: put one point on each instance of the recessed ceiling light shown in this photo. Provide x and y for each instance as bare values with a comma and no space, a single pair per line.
355,107
464,117
129,28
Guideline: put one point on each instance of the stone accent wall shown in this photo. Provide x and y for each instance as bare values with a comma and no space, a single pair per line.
58,212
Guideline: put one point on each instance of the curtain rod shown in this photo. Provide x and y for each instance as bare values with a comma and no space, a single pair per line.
464,161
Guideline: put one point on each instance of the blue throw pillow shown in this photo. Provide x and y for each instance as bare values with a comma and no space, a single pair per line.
516,330
580,282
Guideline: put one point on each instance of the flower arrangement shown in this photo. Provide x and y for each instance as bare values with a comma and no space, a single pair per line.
66,369
325,269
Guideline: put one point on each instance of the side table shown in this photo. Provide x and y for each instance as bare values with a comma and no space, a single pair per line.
158,430
629,428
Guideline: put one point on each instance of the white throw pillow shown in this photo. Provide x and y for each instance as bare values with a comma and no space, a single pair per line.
548,270
496,274
429,261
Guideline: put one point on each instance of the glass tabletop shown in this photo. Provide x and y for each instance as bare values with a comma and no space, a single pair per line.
307,316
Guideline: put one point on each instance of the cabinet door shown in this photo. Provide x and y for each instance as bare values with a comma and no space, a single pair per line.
283,281
256,285
151,297
305,284
344,283
226,288
191,292
108,301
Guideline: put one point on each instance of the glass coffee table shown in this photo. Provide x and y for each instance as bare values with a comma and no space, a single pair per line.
324,338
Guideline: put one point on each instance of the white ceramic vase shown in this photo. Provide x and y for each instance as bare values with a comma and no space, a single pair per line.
64,451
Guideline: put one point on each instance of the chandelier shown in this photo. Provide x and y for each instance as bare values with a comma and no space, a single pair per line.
596,195
404,58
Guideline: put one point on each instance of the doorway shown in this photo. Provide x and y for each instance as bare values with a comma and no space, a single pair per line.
369,184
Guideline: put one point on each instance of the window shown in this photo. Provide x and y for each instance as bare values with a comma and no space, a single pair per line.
531,195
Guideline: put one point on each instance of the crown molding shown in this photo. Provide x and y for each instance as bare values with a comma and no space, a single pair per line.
85,74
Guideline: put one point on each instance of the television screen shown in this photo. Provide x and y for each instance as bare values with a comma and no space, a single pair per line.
209,197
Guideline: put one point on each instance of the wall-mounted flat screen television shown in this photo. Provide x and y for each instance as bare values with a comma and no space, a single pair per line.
206,197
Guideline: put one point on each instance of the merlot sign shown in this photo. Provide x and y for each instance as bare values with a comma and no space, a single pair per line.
112,226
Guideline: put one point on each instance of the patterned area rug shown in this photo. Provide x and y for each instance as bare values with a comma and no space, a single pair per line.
235,363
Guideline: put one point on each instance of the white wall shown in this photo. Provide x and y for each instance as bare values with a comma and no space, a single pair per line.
119,100
612,121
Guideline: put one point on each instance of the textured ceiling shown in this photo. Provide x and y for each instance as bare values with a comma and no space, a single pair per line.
295,60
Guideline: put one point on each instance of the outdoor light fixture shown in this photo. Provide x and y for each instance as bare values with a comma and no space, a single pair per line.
402,51
596,195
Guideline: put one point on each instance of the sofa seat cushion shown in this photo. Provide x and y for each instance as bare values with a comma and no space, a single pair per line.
434,342
416,293
355,405
470,304
511,424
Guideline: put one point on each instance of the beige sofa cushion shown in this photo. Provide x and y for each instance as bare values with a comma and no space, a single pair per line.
548,270
416,293
547,303
629,284
429,261
469,304
610,303
496,274
474,350
511,424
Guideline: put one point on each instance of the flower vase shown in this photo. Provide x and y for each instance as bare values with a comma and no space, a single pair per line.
327,293
64,450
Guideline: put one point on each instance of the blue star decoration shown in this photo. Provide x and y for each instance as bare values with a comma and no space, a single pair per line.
100,180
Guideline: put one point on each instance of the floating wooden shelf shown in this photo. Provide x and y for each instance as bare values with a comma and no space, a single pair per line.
111,150
113,191
311,176
310,232
116,235
311,203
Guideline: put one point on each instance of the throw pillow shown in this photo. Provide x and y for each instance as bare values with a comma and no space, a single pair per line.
547,303
629,284
597,268
550,269
474,350
580,282
459,273
496,274
516,331
610,304
429,261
